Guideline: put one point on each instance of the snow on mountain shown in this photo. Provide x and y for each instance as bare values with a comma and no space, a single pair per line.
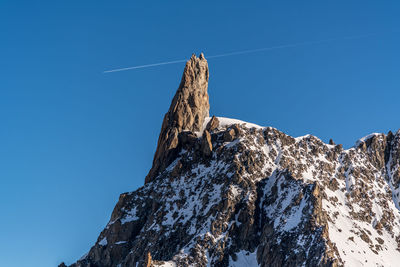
224,192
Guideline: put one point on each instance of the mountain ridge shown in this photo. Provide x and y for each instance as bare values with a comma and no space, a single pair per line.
230,193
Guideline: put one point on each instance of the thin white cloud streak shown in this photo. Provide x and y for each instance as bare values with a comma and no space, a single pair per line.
147,66
250,51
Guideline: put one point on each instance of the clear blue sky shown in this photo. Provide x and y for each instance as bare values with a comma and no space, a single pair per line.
72,138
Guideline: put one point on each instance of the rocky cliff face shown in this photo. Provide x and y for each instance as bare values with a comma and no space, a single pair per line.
237,194
187,112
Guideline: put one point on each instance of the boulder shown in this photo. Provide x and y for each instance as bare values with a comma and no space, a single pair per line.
212,124
229,135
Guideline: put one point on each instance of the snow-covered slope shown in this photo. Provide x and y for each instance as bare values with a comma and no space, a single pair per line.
262,198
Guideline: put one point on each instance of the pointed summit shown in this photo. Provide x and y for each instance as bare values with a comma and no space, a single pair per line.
187,112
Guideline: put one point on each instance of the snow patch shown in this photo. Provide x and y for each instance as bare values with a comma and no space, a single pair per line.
131,216
244,259
103,242
166,264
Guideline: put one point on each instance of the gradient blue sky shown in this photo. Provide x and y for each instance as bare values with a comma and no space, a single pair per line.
72,138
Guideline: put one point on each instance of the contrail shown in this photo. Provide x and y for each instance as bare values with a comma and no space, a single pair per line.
250,51
147,65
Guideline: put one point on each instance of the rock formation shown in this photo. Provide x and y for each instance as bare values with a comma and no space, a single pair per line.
237,194
187,112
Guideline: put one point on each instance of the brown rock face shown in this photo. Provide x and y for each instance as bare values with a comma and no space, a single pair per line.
206,145
187,112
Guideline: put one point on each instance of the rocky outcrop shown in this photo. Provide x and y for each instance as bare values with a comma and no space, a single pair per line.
148,261
212,124
206,145
187,112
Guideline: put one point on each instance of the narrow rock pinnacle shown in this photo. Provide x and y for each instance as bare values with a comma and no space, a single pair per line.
187,112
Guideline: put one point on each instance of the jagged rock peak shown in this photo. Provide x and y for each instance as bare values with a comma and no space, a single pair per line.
187,112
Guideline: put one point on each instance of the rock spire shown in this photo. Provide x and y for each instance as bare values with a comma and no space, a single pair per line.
187,112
